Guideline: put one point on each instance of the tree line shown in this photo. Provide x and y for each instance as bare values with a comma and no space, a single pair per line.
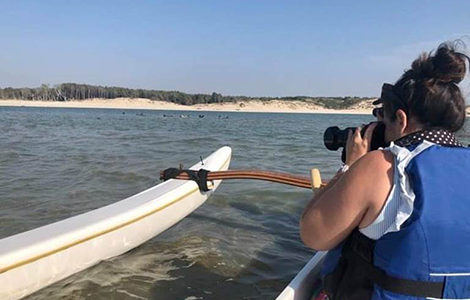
74,91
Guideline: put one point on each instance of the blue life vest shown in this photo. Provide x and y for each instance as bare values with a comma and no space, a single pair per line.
433,245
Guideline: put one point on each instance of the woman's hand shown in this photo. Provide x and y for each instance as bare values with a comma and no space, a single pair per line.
357,146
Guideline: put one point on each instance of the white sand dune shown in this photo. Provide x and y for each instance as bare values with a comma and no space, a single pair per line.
279,106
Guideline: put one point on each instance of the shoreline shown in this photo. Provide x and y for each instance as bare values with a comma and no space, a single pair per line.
272,106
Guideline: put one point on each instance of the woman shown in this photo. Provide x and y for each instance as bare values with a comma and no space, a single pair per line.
396,221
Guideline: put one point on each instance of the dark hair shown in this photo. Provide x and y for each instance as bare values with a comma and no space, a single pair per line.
429,91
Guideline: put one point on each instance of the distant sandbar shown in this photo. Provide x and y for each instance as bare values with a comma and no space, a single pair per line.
274,106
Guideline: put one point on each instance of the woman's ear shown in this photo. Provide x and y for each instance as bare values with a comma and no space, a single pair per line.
402,120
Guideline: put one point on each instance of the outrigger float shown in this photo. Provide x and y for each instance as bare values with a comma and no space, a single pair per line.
305,282
37,258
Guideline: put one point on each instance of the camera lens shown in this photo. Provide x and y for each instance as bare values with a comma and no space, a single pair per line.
335,138
329,138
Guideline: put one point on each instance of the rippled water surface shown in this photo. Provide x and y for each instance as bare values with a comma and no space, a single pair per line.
243,243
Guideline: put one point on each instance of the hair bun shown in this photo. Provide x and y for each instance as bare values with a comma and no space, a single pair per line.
446,65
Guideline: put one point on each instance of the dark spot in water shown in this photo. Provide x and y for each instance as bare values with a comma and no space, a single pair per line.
199,282
251,208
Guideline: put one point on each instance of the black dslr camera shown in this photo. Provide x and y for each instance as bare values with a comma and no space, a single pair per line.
335,138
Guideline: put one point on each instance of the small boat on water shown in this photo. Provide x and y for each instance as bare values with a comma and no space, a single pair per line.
37,258
304,283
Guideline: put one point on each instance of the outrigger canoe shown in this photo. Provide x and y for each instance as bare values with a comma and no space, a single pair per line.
34,259
304,283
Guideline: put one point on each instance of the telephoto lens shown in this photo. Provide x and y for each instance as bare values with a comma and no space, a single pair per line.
335,138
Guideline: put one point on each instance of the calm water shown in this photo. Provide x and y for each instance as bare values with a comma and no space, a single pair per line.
243,243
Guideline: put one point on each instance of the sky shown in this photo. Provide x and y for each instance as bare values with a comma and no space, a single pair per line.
252,48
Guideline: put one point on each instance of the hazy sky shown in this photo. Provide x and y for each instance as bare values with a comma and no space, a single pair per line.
253,48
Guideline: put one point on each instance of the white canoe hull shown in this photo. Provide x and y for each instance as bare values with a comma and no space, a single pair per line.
300,288
34,259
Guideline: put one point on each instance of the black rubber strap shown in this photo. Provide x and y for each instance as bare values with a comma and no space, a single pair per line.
170,173
202,183
200,176
415,288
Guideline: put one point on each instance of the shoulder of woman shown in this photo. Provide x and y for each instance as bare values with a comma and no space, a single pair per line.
372,175
373,162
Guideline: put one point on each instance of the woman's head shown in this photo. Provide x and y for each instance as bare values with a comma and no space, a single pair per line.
427,95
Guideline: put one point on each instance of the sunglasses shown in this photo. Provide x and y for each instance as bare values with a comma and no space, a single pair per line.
378,112
390,96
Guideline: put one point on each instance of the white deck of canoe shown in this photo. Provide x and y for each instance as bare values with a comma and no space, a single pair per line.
300,288
34,259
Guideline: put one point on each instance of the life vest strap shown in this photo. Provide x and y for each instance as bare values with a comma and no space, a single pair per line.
425,289
360,248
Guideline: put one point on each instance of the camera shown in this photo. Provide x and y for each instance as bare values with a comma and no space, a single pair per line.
335,138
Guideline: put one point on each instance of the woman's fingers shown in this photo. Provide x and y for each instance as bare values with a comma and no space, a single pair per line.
350,138
368,134
357,145
357,135
370,131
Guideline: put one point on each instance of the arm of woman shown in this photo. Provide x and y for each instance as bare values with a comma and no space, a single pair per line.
354,200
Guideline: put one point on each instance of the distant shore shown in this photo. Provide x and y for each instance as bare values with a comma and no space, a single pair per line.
274,106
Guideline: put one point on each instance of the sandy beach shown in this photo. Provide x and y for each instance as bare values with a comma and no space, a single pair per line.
273,106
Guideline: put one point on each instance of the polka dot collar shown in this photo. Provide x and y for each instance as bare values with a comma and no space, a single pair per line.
437,136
